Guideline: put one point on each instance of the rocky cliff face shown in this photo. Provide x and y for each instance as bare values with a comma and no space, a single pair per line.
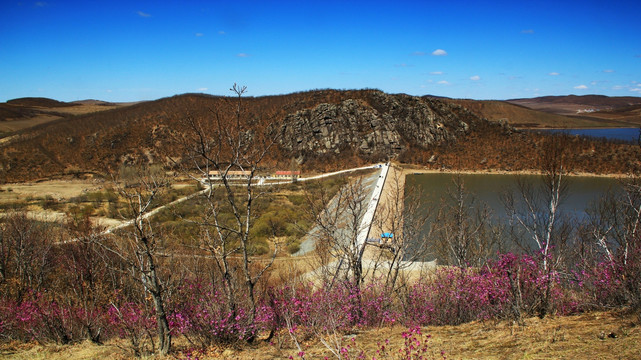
379,124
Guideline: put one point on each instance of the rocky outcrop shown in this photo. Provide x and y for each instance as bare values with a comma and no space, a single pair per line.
379,124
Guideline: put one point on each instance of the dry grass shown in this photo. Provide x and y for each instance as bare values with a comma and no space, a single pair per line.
598,335
85,109
46,114
58,189
86,350
584,336
15,125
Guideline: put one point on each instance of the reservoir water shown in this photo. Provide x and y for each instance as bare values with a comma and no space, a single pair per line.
487,188
619,134
582,192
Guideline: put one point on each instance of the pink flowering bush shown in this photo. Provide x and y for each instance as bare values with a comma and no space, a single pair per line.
339,308
38,318
612,284
530,285
135,322
200,312
456,295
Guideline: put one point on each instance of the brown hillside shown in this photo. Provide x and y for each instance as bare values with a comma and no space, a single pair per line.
522,117
572,104
24,113
93,102
323,129
590,100
143,132
39,102
10,112
630,115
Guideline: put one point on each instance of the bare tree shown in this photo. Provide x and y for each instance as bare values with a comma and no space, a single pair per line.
231,152
536,212
141,246
464,234
25,250
537,209
86,269
615,227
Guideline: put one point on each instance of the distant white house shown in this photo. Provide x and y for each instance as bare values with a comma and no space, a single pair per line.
234,175
231,175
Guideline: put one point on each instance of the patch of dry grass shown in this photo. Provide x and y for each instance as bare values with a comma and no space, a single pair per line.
15,125
59,189
597,335
589,336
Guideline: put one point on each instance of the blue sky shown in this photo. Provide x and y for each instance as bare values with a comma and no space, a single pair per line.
131,50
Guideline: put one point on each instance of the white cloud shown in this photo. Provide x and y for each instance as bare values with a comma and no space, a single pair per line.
608,71
202,89
109,90
554,74
636,90
443,82
221,32
475,78
436,73
418,53
439,52
580,87
199,34
242,55
403,65
528,31
40,4
618,87
143,14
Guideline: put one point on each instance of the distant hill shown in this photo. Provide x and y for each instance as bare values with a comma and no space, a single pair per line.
523,117
629,115
573,104
39,102
92,102
23,113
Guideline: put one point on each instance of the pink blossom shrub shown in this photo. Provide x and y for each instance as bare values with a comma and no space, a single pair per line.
200,311
38,318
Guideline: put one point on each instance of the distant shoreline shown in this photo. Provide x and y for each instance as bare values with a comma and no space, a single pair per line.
578,128
408,170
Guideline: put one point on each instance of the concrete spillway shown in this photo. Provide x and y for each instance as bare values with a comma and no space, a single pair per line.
368,218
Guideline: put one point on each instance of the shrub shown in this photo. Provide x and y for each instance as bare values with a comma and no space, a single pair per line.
39,318
200,311
457,295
